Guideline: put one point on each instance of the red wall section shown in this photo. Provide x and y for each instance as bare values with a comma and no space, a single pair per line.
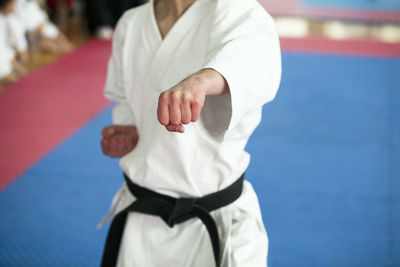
347,47
295,8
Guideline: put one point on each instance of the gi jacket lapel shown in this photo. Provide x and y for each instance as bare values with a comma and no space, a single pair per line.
164,55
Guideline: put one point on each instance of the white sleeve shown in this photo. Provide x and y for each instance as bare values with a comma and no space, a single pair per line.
5,64
114,89
16,30
30,14
6,52
244,49
50,30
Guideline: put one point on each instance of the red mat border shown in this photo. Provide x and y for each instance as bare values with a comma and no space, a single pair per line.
294,8
365,48
46,107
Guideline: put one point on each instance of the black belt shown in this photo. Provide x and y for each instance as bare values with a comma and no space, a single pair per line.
172,211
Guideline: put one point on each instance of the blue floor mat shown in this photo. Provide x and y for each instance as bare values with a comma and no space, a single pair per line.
370,5
49,215
325,164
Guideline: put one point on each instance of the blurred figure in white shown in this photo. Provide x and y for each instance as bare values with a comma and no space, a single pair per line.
13,45
103,15
35,21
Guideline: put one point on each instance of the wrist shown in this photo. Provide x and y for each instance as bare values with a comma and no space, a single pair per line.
210,82
199,81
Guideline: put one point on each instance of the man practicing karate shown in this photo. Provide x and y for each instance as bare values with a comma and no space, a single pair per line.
189,79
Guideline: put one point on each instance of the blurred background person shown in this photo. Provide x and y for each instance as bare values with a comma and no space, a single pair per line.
37,23
13,45
103,15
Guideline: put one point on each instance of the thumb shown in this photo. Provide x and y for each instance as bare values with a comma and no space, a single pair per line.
124,129
108,131
175,128
118,129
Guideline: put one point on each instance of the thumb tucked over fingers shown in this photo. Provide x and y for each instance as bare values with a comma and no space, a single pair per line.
108,131
113,130
175,128
124,129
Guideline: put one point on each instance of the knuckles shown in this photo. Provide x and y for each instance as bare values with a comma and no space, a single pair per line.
176,96
178,107
164,97
196,103
116,147
186,98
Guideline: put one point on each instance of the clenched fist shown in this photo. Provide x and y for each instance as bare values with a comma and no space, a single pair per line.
118,140
182,103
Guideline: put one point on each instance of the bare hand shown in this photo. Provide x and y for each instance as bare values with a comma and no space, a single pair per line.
181,104
118,140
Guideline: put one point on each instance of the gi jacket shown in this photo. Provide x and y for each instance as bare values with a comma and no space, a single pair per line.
238,39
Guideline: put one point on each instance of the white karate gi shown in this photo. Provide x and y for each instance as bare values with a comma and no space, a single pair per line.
237,38
16,32
32,16
7,53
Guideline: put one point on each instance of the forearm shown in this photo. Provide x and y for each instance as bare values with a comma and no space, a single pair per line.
209,80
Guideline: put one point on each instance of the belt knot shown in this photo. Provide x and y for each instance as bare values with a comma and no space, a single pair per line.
180,211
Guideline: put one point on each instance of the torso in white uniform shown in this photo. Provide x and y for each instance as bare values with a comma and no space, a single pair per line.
236,38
